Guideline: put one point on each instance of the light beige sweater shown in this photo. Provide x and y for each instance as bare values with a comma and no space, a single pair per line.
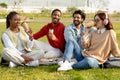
100,46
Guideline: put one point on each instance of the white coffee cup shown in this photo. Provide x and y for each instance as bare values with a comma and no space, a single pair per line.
51,31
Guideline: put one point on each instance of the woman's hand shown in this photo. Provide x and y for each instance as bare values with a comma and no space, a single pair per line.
30,33
26,58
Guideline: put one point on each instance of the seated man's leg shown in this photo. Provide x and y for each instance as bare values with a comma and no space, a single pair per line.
72,49
69,49
41,45
36,54
78,53
53,53
50,52
86,63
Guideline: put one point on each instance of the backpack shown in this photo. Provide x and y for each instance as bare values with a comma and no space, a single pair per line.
112,62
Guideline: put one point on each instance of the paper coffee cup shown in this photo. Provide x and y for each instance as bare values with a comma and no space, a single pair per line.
51,31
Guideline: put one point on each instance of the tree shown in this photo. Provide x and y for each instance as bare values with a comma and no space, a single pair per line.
71,9
17,3
3,5
45,11
99,4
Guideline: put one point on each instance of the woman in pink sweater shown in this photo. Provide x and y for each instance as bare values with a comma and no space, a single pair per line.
99,45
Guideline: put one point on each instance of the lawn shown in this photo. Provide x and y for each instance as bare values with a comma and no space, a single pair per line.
50,73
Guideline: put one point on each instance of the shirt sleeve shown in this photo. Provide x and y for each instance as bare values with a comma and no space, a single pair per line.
8,44
68,34
40,33
59,42
114,45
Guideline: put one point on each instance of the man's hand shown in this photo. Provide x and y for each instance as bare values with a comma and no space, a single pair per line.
51,34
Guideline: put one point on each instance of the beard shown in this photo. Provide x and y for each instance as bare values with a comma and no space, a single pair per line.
55,21
76,23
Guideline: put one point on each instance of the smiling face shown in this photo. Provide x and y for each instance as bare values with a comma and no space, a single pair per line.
56,17
99,22
15,21
77,19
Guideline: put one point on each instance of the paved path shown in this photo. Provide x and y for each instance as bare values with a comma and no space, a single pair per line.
63,20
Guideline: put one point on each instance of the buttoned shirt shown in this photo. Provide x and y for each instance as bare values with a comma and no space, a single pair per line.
71,32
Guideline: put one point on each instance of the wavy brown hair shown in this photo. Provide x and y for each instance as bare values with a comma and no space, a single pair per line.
102,16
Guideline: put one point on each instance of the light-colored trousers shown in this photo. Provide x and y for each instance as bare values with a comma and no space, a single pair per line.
10,55
42,50
50,52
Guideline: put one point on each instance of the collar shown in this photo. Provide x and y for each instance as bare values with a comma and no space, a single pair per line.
51,25
101,30
81,27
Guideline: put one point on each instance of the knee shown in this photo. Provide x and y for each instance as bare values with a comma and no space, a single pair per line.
39,52
70,40
52,54
92,62
6,50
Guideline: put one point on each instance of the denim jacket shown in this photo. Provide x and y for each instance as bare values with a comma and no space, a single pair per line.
71,32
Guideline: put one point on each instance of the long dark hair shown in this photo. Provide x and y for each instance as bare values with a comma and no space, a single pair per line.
102,16
9,17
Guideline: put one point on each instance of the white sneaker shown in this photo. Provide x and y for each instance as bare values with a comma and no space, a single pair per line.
65,66
71,63
12,64
33,63
60,63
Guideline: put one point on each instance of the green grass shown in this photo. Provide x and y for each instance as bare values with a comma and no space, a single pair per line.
47,15
50,73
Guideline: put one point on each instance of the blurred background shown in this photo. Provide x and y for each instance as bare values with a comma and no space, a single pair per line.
44,7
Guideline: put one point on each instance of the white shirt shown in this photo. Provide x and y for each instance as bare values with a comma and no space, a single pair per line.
8,44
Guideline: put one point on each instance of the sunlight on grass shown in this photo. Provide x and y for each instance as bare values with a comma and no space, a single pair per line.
50,73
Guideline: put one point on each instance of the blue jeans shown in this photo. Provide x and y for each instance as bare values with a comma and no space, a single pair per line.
72,49
86,63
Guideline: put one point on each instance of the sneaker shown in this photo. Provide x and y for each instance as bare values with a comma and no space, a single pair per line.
65,66
33,63
12,64
60,63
